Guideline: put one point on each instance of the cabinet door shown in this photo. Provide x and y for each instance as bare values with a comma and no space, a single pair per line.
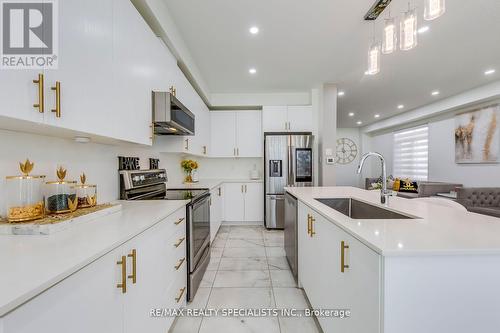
249,137
154,276
327,287
19,93
132,74
87,301
223,134
234,202
359,287
274,118
254,202
300,118
85,68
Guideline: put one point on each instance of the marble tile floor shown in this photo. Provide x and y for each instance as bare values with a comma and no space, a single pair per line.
248,270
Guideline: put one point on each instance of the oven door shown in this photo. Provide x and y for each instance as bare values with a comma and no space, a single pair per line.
199,229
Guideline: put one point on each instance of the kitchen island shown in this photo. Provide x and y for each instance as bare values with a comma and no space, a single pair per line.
435,270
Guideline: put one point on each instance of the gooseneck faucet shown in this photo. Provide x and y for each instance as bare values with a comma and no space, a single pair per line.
384,194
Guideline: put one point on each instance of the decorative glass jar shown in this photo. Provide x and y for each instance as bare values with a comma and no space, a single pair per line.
61,195
25,201
86,194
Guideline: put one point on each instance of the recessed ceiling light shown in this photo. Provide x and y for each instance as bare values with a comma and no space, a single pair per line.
489,72
254,30
341,93
351,114
401,106
359,122
377,116
435,93
423,29
252,71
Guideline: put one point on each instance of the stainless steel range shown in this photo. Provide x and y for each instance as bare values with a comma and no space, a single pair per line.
151,185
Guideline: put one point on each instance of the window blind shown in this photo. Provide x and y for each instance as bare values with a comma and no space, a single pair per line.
411,153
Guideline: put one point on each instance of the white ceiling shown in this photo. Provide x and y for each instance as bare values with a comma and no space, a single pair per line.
305,43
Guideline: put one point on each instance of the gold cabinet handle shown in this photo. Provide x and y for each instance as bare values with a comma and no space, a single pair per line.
187,144
57,89
309,224
123,285
343,247
152,137
245,189
179,221
179,264
41,102
312,233
220,192
204,150
178,299
242,189
179,242
133,255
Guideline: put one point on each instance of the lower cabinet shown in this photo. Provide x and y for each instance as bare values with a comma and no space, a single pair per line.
115,293
216,210
244,202
338,272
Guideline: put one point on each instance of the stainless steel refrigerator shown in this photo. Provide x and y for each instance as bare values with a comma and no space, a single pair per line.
288,163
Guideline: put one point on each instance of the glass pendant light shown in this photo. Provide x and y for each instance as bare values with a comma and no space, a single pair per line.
390,37
408,30
434,9
374,59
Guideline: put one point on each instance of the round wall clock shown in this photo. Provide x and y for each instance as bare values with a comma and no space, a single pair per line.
346,151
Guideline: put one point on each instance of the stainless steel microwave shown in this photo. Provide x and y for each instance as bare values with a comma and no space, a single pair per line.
170,116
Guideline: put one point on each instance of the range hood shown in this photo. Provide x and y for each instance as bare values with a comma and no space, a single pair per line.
170,116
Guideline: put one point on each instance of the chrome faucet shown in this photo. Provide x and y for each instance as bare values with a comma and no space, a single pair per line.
384,194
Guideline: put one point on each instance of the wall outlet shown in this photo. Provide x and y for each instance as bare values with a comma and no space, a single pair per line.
330,160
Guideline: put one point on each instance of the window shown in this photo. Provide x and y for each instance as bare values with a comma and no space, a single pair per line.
411,153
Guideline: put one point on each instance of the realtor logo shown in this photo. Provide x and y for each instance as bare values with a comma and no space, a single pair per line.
29,34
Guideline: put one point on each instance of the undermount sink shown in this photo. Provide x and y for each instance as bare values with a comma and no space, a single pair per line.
360,210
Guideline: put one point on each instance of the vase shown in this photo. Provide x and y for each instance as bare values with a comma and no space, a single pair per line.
188,178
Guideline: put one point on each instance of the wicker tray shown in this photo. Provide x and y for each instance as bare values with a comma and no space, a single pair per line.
55,223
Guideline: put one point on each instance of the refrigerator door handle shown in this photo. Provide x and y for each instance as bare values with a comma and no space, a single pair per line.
291,166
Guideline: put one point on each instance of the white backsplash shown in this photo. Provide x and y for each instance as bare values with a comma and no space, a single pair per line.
100,162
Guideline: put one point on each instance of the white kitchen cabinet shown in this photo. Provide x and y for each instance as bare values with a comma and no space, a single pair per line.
274,118
87,301
236,134
223,135
249,138
287,118
243,202
234,202
357,288
300,118
216,210
254,202
19,93
85,68
90,300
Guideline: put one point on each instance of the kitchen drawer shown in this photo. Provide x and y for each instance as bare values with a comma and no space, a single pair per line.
178,286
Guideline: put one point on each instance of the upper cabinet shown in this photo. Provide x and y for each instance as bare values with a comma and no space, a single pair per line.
236,134
109,61
287,118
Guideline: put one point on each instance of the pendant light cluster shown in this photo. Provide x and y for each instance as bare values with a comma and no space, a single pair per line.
408,29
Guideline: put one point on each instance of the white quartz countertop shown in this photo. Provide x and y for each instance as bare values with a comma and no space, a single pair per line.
33,263
209,183
440,230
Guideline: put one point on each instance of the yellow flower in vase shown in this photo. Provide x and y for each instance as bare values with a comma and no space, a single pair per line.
188,166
